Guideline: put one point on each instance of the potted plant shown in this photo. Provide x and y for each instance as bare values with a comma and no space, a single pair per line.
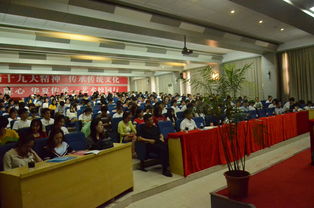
219,104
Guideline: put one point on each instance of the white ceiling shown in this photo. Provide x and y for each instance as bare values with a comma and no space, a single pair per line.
217,13
210,28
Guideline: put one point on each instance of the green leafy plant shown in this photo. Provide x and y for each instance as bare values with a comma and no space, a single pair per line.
216,103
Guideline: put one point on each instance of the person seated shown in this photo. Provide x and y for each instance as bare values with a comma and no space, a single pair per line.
59,124
171,116
119,112
98,138
86,116
188,124
278,109
105,118
138,119
46,120
56,146
71,113
53,105
269,99
148,109
272,104
126,128
45,103
6,135
33,114
245,106
251,105
150,134
36,129
23,122
175,106
258,104
183,106
61,108
12,117
289,106
21,155
157,114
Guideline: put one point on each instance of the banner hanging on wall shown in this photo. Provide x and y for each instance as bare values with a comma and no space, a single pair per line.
24,85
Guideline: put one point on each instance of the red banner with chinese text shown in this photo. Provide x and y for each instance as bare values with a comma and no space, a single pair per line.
24,85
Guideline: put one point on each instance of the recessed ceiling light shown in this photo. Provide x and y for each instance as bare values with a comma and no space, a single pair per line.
232,11
312,9
260,22
282,29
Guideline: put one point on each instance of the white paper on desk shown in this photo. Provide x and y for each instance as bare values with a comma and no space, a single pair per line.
95,152
209,127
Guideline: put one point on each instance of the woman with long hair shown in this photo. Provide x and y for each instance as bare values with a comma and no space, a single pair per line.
56,146
98,138
36,129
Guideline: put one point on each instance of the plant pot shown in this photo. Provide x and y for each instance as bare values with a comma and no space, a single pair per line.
238,183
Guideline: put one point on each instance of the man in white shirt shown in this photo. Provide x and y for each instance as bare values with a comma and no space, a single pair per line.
270,99
273,104
46,120
175,107
188,123
119,113
288,104
23,122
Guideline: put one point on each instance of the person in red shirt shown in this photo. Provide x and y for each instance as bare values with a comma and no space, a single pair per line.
157,114
138,119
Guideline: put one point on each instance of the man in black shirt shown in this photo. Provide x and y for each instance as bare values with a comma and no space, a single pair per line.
150,134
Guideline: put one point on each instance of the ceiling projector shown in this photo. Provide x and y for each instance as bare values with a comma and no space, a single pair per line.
185,50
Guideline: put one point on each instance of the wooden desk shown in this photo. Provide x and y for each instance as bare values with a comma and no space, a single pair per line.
311,114
84,182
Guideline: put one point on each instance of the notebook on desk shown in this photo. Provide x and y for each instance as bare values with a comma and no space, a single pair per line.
61,159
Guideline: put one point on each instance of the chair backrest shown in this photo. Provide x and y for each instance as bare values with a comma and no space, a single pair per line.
199,121
39,146
114,134
179,115
252,114
3,150
178,122
265,105
261,113
97,107
23,131
111,107
270,111
211,119
166,127
76,140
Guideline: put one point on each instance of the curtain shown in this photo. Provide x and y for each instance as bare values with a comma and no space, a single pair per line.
297,73
253,86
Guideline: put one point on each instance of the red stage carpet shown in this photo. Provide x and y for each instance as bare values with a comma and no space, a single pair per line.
289,184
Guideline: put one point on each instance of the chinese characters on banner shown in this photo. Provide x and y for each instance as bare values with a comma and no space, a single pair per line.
24,85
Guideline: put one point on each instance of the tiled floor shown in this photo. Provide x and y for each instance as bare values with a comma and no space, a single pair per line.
152,190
